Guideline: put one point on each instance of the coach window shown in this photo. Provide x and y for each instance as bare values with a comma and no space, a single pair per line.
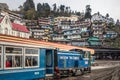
0,56
31,57
13,57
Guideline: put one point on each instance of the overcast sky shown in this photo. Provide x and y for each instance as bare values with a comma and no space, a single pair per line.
103,6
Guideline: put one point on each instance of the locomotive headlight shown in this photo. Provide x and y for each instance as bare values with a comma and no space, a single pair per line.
86,62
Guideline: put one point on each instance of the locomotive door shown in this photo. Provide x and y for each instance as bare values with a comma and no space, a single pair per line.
49,62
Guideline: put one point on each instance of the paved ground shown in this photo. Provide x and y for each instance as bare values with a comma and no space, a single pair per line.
106,70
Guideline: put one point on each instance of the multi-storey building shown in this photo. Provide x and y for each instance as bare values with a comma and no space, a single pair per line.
98,29
14,17
73,18
110,34
117,23
42,32
43,21
72,32
94,42
99,17
4,6
31,24
41,29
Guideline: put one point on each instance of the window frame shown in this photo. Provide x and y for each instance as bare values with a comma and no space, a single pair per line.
7,54
1,57
36,55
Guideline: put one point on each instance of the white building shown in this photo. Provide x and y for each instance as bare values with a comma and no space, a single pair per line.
99,17
9,28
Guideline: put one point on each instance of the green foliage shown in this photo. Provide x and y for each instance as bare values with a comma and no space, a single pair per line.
44,10
107,15
39,7
78,13
54,7
88,15
88,12
29,4
30,14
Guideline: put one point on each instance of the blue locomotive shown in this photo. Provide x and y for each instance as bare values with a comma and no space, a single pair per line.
68,63
28,62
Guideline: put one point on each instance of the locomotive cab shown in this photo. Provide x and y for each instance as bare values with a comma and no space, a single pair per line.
87,61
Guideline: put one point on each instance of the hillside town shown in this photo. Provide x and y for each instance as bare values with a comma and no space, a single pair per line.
77,30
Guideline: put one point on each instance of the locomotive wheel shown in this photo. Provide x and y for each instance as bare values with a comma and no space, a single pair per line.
82,71
70,73
89,70
74,72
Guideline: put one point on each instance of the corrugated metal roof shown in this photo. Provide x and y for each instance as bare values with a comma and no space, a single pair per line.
41,43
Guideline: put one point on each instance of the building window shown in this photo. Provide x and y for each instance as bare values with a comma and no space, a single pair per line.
18,34
31,57
6,21
6,31
13,57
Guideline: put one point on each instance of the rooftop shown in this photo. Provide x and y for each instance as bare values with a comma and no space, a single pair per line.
19,27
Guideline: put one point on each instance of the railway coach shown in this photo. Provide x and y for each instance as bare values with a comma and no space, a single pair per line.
28,62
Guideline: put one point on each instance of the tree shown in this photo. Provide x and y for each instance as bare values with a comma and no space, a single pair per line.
21,9
46,9
107,15
39,7
62,8
88,12
66,9
54,7
78,13
29,4
30,14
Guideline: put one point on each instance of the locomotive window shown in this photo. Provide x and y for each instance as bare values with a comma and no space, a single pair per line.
86,55
80,57
31,57
13,57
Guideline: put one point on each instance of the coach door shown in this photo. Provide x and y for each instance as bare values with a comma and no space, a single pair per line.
49,62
